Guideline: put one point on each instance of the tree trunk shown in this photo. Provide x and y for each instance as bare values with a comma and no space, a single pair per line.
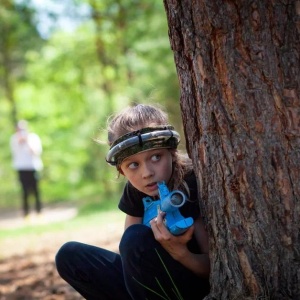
6,70
238,68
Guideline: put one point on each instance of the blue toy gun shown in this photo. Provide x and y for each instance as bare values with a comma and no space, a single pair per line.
169,203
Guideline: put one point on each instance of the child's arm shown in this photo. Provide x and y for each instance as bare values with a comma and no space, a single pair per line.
130,220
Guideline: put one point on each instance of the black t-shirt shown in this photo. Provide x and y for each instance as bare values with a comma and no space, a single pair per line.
131,203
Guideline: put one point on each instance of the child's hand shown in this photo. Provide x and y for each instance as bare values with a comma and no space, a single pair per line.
175,245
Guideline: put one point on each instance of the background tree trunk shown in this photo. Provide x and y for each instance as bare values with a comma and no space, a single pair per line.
238,68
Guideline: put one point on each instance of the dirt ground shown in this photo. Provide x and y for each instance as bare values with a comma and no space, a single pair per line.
27,270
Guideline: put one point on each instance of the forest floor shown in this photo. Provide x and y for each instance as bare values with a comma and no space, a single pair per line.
27,267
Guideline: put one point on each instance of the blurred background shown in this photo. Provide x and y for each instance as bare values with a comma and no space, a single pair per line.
65,66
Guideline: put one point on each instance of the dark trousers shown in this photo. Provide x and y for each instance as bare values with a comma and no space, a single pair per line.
29,183
142,270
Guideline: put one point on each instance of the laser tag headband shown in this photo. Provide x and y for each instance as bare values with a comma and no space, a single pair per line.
142,140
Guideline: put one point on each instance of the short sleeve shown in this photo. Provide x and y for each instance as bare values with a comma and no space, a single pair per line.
131,201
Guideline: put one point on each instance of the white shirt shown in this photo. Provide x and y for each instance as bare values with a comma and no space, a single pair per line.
26,149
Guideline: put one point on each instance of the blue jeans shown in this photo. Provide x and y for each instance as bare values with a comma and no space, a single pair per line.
142,270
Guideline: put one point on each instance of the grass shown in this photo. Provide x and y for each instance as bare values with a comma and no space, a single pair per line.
161,293
91,220
88,212
78,222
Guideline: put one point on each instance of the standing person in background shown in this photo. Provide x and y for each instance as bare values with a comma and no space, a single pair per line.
26,150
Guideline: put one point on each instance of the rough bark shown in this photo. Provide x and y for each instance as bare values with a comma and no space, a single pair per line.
238,69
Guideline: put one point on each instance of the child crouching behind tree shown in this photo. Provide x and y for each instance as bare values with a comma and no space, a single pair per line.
152,263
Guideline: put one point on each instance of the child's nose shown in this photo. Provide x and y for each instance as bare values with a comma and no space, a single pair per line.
147,171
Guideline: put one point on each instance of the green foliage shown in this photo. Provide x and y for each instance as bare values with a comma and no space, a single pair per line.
119,54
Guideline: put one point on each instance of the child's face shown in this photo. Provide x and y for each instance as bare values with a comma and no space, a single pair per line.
145,169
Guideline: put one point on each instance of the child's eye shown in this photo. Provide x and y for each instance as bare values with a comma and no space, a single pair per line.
156,157
133,165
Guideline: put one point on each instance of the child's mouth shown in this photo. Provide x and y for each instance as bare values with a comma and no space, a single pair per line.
151,186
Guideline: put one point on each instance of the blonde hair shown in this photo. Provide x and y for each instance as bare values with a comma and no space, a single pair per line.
141,116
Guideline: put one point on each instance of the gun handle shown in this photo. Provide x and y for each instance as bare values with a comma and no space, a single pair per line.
181,226
176,223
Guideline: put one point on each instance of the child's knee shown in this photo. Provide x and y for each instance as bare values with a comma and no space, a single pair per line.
64,254
135,238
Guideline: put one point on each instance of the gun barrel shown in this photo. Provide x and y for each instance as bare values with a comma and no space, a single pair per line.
174,200
177,198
